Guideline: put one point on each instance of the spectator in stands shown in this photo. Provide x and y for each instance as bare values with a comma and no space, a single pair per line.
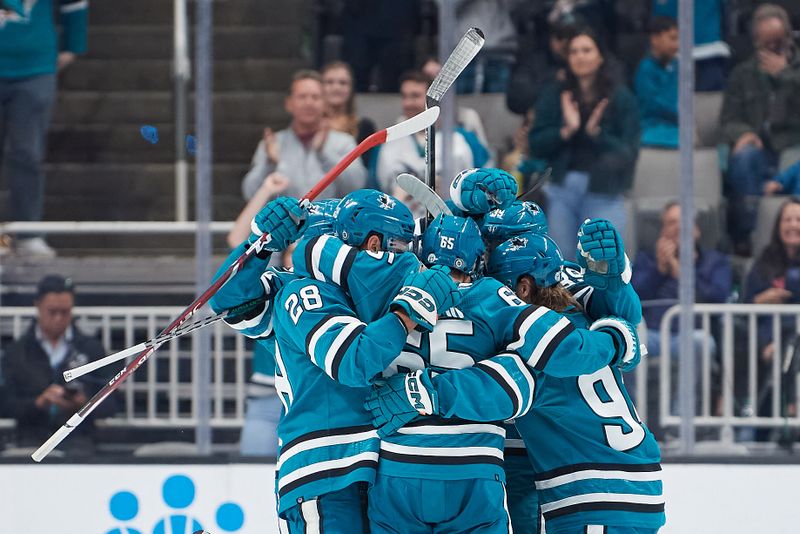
408,154
340,106
587,129
488,72
33,366
760,117
710,52
535,70
302,153
379,36
656,276
775,279
656,86
31,52
786,182
467,118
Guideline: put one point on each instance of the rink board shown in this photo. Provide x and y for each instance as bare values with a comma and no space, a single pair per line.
76,499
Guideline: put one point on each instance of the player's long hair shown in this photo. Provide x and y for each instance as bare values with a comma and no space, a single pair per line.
555,297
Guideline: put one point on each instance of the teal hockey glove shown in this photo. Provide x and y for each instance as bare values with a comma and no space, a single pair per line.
601,253
283,219
479,191
626,339
400,400
427,294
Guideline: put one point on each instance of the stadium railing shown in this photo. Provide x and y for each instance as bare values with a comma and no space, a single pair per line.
738,388
163,393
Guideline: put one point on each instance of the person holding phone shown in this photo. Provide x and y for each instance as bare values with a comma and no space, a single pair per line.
33,366
760,117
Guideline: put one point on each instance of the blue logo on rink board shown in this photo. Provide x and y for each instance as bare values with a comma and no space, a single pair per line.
178,492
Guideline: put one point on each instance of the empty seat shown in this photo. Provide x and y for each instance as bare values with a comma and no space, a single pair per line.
768,209
658,174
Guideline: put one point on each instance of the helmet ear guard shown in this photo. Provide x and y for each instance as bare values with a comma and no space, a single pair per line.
530,254
454,242
366,212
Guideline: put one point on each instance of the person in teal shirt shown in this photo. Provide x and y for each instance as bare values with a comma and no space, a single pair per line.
656,86
31,52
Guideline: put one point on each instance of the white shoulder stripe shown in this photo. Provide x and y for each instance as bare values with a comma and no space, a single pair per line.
541,346
603,497
316,254
310,516
510,381
337,343
324,466
526,325
589,474
338,263
526,372
330,323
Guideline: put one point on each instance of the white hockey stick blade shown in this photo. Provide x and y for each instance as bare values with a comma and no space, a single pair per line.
48,446
420,191
413,125
466,49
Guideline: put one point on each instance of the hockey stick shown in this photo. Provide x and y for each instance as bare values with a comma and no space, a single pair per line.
77,372
538,179
423,194
403,129
466,49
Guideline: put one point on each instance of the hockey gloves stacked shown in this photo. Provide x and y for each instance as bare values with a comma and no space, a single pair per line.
626,339
401,400
283,219
479,191
427,294
601,253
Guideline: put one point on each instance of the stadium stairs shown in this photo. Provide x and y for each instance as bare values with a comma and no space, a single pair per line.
99,168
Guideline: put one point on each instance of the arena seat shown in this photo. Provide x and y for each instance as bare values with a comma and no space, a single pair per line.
658,171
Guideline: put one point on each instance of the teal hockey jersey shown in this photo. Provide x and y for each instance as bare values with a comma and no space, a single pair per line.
596,463
621,302
491,334
326,359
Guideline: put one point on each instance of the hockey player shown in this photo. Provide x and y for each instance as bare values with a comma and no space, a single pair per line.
452,456
599,468
327,357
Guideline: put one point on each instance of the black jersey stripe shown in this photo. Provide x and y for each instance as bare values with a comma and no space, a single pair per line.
309,251
553,345
512,394
343,348
344,277
576,468
327,432
605,506
440,460
327,473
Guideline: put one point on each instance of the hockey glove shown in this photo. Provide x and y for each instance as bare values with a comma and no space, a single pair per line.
400,400
479,191
601,253
626,339
283,219
427,294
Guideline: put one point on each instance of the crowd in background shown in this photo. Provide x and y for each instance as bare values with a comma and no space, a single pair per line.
587,105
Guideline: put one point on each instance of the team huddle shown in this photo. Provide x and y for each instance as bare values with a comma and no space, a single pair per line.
464,378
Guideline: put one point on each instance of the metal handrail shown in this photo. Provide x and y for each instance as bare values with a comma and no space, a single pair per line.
182,73
111,227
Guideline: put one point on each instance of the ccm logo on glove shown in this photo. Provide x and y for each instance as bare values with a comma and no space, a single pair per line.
418,396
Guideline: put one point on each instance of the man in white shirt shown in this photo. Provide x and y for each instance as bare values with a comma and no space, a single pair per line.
300,155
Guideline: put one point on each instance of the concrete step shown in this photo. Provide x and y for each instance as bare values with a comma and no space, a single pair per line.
89,107
123,143
155,42
226,12
106,192
155,75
